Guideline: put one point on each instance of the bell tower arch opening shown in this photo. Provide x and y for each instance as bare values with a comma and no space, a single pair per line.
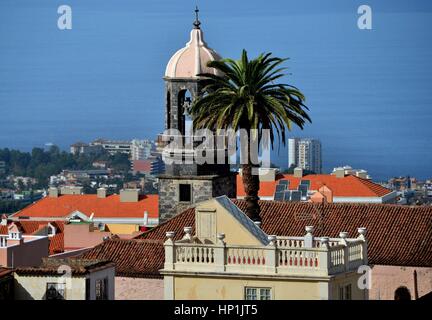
183,85
185,120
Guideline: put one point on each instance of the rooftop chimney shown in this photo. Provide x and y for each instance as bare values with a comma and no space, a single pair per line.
267,174
298,172
3,220
339,172
129,195
71,190
53,192
14,235
102,193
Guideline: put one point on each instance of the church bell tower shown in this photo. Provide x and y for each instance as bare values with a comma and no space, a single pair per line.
188,183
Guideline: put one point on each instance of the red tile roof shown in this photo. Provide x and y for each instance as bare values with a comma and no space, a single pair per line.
397,235
109,207
4,272
348,186
3,229
56,242
133,258
50,266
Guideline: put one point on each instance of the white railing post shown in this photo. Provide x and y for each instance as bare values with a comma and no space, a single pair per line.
271,254
169,251
343,236
362,236
220,253
324,256
308,238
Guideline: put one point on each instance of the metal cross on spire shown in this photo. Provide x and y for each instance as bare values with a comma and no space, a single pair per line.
197,23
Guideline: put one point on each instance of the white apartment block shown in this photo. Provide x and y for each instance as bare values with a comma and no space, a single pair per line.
305,153
112,146
141,149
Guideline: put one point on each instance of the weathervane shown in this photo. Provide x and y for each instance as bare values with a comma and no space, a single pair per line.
197,23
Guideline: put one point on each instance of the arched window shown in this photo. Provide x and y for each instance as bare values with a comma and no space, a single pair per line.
185,120
402,293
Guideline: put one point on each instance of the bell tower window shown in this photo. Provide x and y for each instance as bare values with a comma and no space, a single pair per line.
185,192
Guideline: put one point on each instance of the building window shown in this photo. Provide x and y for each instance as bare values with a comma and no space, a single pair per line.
55,291
345,292
185,191
257,294
102,289
87,288
51,230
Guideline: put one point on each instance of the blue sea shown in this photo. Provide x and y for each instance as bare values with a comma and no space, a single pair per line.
369,91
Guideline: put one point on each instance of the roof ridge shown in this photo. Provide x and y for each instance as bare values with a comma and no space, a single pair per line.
135,240
369,184
26,207
160,225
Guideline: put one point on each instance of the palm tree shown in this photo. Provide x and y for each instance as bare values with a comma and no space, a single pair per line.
246,97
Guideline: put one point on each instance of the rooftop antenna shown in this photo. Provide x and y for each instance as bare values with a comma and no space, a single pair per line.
197,23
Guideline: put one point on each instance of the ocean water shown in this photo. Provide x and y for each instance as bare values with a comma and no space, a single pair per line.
369,91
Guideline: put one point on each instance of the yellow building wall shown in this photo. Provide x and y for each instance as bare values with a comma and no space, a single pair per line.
206,288
122,228
34,287
346,279
235,232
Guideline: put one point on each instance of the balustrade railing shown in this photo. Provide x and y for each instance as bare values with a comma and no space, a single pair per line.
239,255
283,255
292,242
293,258
187,253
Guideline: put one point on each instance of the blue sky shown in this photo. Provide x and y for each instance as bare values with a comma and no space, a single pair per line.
369,91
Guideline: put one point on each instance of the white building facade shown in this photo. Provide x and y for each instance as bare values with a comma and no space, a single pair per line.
305,153
141,149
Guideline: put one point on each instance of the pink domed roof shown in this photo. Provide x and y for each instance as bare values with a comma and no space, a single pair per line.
192,59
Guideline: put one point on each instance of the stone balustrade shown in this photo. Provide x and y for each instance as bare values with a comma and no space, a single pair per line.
282,256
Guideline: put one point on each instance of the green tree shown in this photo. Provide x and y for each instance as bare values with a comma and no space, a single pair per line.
120,162
246,97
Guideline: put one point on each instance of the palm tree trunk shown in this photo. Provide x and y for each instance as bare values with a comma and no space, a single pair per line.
251,186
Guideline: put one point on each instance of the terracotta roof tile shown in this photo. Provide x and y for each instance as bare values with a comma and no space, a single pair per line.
78,266
348,186
133,258
3,229
397,235
5,272
90,203
56,242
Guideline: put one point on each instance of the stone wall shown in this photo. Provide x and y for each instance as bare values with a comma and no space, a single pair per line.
175,87
203,188
138,289
225,185
386,279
